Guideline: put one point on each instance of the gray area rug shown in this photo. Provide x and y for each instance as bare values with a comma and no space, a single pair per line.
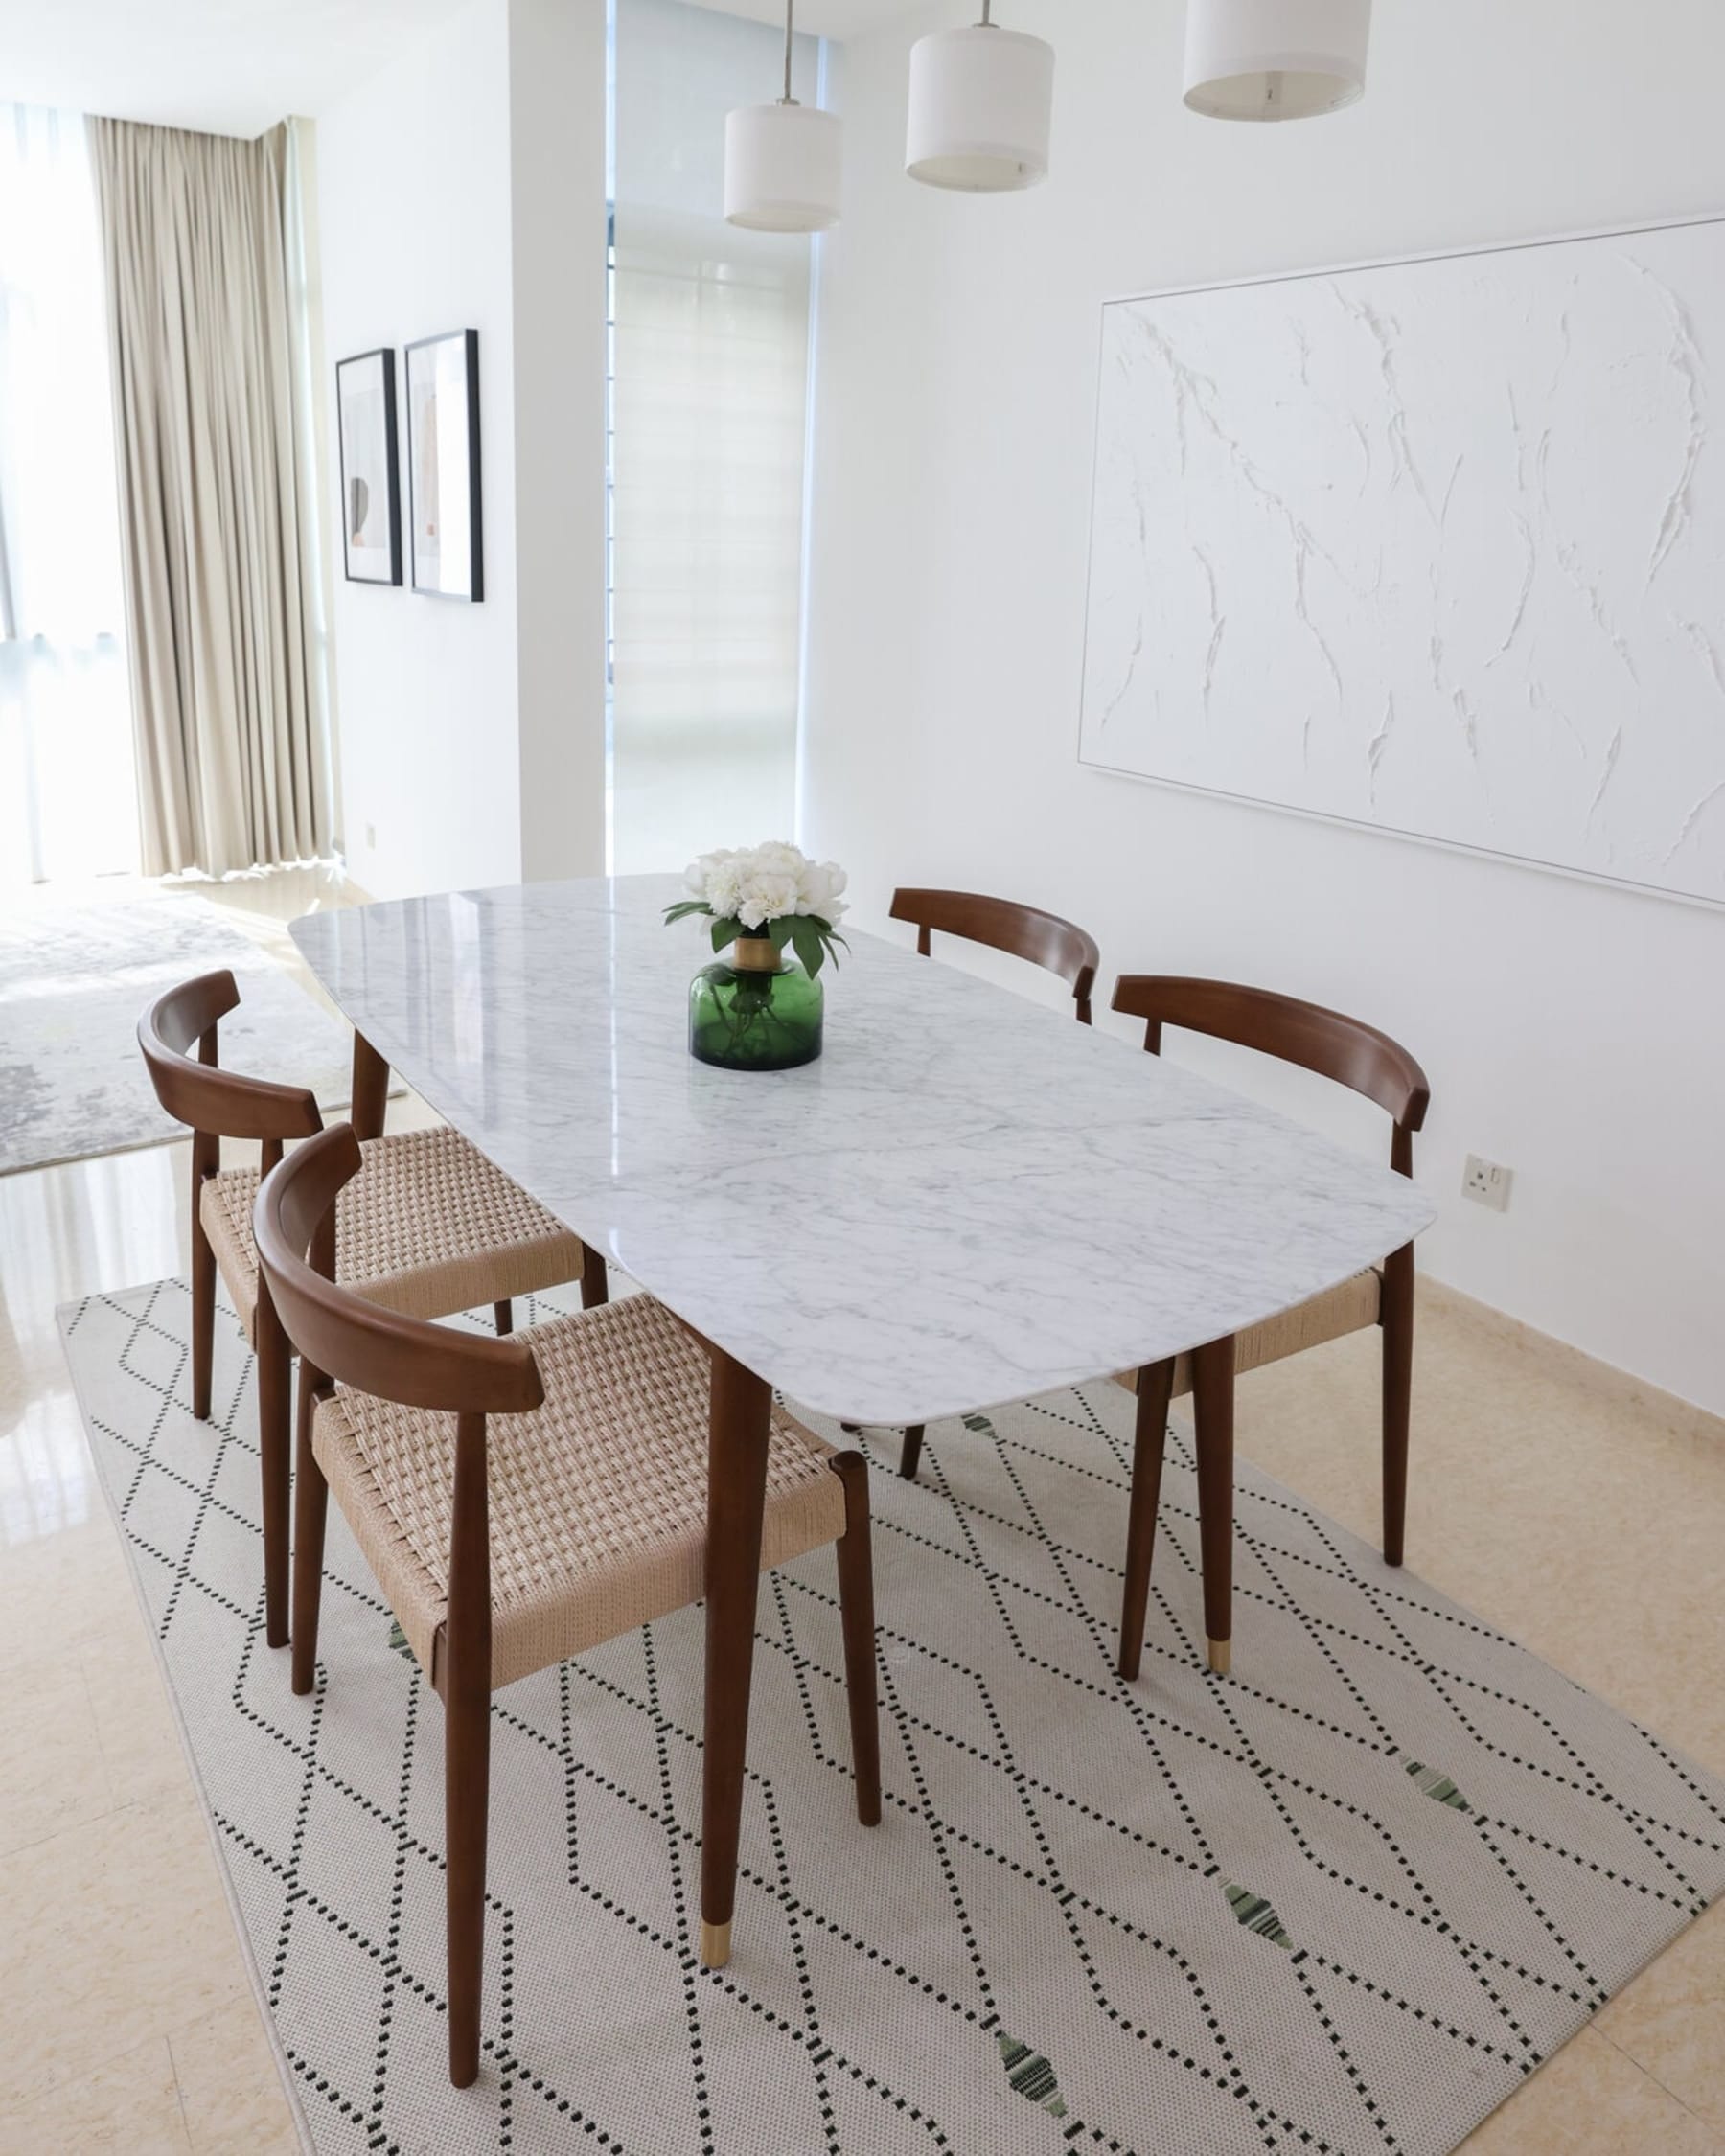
1341,1902
72,981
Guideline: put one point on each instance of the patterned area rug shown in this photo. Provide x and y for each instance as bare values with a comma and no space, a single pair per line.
72,981
1341,1902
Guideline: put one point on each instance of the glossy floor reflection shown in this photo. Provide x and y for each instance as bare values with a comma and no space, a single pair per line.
1585,1521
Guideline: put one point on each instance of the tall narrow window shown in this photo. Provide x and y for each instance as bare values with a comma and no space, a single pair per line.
67,802
709,403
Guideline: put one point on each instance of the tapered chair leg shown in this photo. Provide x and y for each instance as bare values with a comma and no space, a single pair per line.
311,1515
275,1440
1155,1388
911,1456
737,1425
1396,1319
1212,1403
504,1314
467,1745
203,1307
595,1280
855,1604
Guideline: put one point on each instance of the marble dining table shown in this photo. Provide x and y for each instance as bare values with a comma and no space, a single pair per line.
967,1199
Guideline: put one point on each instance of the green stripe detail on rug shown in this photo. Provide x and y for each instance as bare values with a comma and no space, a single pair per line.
1030,2075
1437,1785
1255,1914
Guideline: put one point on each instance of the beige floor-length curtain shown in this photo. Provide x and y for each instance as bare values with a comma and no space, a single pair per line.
215,524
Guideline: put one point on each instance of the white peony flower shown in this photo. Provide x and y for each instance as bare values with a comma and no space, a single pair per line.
725,887
778,857
817,889
766,895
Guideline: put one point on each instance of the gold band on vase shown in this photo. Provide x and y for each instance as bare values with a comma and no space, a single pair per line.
756,955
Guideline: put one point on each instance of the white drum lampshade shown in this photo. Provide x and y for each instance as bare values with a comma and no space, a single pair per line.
1275,59
981,110
783,166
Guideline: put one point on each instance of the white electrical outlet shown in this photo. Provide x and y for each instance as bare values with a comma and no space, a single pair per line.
1486,1183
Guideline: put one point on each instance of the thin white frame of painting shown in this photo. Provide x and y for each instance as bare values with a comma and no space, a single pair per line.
452,476
1266,803
371,461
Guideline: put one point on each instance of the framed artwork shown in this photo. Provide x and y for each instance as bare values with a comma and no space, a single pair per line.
370,483
443,465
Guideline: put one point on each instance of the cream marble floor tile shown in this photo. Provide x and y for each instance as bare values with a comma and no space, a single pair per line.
230,2086
1671,2019
1590,2101
59,1591
130,2106
110,1934
140,1740
53,1775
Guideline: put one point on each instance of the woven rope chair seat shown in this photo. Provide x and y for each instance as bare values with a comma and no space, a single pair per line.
428,1227
1346,1308
598,1498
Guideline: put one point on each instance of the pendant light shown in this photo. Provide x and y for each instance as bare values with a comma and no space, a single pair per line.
982,109
783,162
1275,59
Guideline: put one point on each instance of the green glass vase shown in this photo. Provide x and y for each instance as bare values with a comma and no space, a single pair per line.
758,1010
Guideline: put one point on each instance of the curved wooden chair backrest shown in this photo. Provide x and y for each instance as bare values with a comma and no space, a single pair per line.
1022,931
194,1090
341,1336
1346,1049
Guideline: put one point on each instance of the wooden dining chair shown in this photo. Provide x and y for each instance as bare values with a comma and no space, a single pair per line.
431,1228
1022,931
523,1501
1359,1056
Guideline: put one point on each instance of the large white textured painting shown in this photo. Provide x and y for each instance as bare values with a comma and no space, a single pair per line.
1437,547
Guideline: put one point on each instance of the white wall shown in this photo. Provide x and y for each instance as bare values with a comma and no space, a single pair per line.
557,151
463,188
1576,1033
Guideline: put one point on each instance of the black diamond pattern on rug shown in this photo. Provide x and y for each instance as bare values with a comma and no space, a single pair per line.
1341,1902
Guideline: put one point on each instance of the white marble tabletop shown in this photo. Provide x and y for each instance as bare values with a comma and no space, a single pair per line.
967,1199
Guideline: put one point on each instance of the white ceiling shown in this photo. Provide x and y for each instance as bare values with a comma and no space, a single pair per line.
237,66
228,66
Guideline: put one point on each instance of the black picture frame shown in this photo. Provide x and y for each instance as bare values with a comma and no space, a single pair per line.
443,467
366,437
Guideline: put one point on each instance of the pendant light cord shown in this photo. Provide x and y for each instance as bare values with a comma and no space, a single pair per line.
790,11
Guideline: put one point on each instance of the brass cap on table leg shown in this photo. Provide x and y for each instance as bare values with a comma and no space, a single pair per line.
715,1945
1221,1656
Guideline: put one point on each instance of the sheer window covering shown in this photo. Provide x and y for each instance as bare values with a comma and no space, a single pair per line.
710,358
67,804
215,511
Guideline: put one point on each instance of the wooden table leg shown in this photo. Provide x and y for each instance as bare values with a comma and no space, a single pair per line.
371,1089
1213,1413
1155,1389
740,1417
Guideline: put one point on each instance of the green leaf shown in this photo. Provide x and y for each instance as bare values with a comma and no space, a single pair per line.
725,932
682,910
782,929
810,947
